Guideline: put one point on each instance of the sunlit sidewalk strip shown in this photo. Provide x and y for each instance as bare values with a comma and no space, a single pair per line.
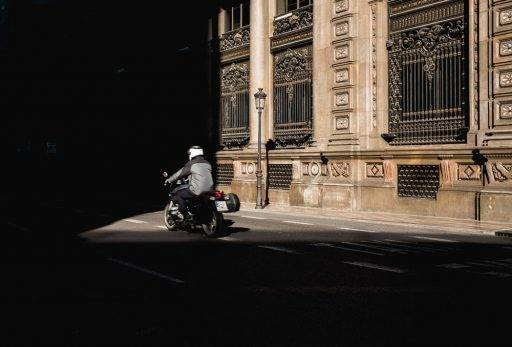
136,221
251,217
280,249
434,239
376,267
295,222
346,248
144,270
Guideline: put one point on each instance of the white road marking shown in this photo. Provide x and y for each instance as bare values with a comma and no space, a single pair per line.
408,248
16,226
376,247
294,222
497,274
161,227
453,266
354,229
433,239
280,249
251,217
228,238
429,248
345,248
392,249
377,267
136,221
146,271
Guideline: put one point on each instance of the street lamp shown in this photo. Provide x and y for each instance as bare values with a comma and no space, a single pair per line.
260,105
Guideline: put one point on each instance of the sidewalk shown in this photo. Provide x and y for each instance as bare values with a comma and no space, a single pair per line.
445,224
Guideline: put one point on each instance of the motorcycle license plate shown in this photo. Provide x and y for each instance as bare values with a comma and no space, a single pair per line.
221,206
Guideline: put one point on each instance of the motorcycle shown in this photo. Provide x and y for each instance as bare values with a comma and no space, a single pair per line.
204,211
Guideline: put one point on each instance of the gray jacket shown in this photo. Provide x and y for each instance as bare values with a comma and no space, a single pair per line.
200,172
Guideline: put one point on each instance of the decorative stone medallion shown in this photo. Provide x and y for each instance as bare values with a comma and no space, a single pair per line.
374,170
342,75
468,172
314,169
341,52
505,48
342,99
506,110
341,6
341,29
506,16
341,123
250,168
339,169
502,171
505,79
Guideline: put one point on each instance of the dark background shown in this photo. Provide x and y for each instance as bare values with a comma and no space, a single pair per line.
120,87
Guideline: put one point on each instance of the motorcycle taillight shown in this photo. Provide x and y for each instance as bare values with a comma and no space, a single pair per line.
218,194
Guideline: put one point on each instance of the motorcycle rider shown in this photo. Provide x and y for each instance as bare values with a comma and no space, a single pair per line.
199,173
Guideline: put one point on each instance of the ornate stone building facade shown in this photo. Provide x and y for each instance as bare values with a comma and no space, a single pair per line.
398,106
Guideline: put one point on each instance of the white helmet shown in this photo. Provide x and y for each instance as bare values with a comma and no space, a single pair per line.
194,151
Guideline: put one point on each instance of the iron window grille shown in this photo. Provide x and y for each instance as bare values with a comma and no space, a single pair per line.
234,105
224,174
293,101
279,176
428,84
418,181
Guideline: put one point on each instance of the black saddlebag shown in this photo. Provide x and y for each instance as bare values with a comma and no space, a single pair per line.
233,202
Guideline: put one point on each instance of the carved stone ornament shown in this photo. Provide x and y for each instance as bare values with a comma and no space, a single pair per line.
468,172
502,172
505,79
505,47
342,99
339,169
341,52
341,6
374,170
299,19
506,16
342,76
506,111
235,77
342,28
428,39
341,123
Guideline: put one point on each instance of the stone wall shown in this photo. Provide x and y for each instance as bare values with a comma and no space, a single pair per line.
349,166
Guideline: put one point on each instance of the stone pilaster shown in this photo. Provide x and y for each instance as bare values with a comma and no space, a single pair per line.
259,67
322,73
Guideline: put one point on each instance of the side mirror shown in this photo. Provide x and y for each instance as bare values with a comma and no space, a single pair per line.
165,174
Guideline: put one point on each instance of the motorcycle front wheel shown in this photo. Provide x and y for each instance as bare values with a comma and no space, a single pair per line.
169,222
214,227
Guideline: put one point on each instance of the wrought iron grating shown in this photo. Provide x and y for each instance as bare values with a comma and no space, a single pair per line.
224,174
279,176
418,181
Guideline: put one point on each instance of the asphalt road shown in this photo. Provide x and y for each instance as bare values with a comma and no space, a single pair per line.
103,276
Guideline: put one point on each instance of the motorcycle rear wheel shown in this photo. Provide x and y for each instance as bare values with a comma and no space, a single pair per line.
169,222
215,225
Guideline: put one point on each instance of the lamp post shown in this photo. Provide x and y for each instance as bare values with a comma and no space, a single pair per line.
260,105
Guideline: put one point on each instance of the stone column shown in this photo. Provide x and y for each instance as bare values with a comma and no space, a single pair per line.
259,66
223,18
322,72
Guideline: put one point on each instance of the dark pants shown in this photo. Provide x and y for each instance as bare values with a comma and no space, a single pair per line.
181,197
